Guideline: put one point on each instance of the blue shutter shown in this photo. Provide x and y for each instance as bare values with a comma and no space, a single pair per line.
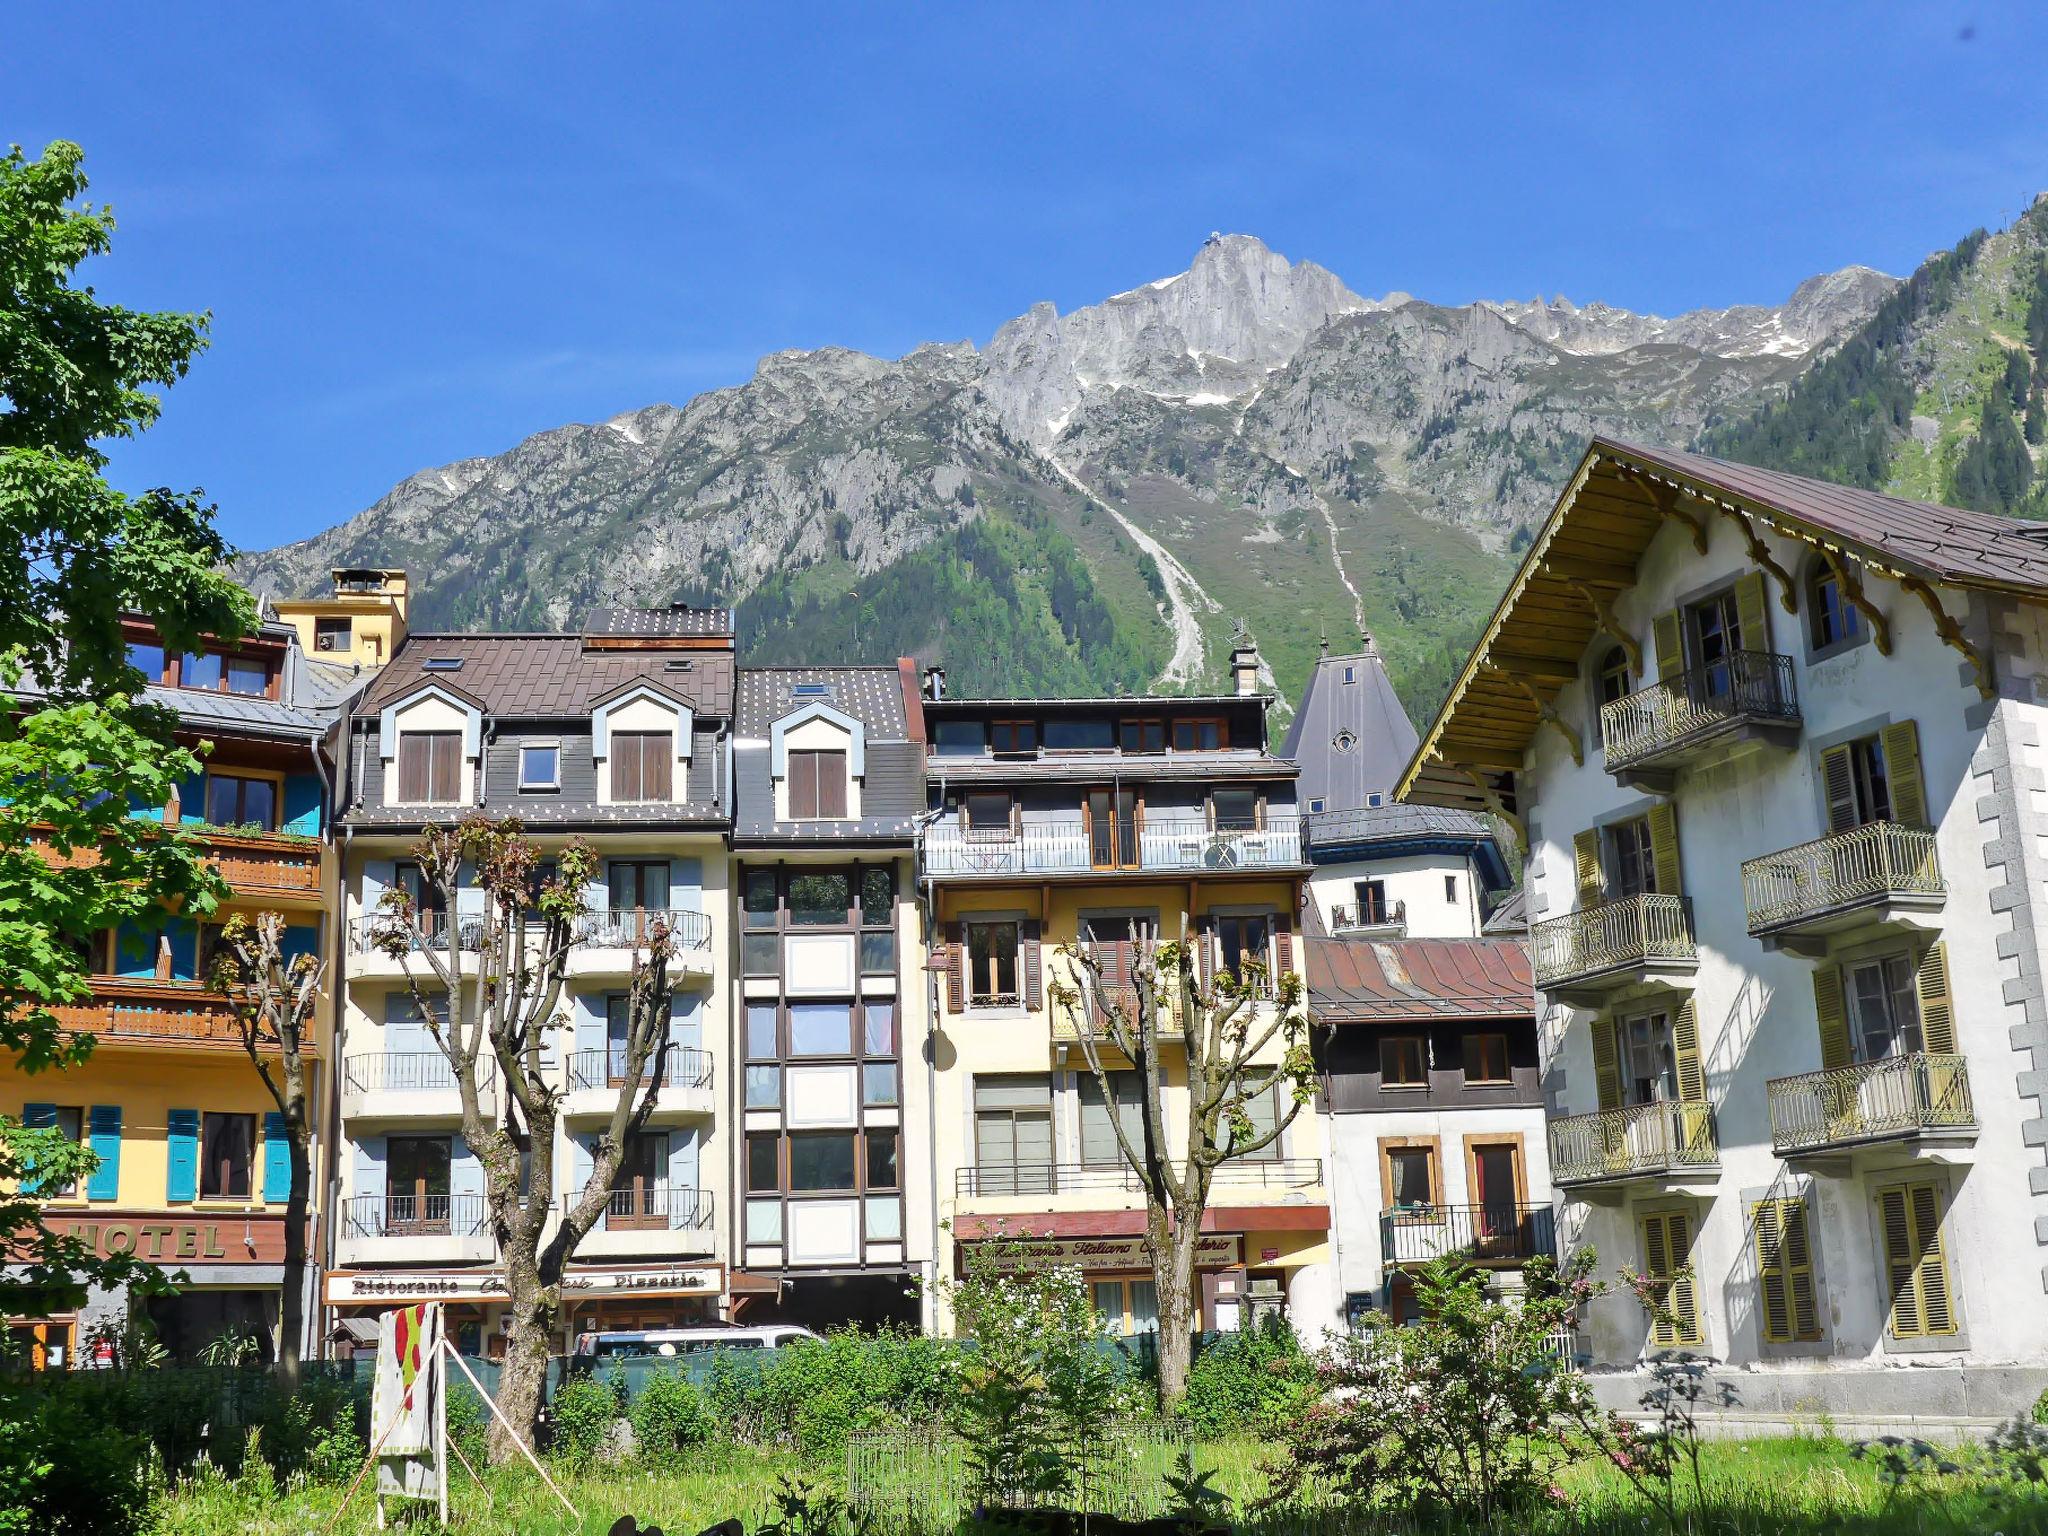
469,894
37,1117
684,1010
184,936
682,1160
592,1021
192,799
465,1170
182,1181
105,1125
299,939
579,1165
277,1159
379,875
139,810
302,800
369,1179
134,952
686,885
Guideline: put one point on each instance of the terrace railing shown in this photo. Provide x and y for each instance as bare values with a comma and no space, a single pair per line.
630,927
652,1207
1486,1233
413,1215
1870,1101
1829,874
1612,936
1071,847
605,1067
407,1072
1700,702
1065,1178
1642,1139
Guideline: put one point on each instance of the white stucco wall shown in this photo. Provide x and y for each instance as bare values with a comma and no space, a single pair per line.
1414,879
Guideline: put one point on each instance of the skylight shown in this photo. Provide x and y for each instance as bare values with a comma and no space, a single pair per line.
810,691
444,663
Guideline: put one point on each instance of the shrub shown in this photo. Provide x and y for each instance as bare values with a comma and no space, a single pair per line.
65,1469
1259,1379
669,1413
581,1418
469,1424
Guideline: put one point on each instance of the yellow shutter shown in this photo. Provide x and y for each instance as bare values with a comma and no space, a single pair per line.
1667,1246
1798,1267
1839,776
1902,773
1606,1065
1664,848
1897,1229
1937,1013
1931,1273
1668,632
1586,861
1685,1046
1753,612
1784,1261
1916,1267
1657,1266
1833,1018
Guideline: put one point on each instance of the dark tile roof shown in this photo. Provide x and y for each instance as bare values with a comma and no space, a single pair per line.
872,695
516,676
1511,916
1396,820
1095,767
1366,980
676,621
1350,738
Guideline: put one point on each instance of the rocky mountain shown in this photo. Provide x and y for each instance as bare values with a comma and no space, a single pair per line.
1089,501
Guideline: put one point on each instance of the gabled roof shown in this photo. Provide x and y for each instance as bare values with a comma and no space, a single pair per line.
1386,831
871,695
1378,980
1614,507
1350,738
548,676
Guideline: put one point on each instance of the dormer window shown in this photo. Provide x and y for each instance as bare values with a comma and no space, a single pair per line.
1013,736
430,767
640,765
817,786
540,765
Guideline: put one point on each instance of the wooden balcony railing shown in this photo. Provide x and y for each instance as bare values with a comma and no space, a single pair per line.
1629,931
1843,870
1679,712
1068,1178
177,1012
1643,1139
1870,1101
1485,1233
263,864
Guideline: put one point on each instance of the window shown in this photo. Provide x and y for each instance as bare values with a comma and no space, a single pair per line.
817,786
1633,857
1915,1263
1884,1008
200,669
1345,742
1127,1307
1013,1135
988,815
878,896
1667,1259
1497,1186
761,1032
642,764
1404,1062
1486,1059
1858,782
1375,798
1113,821
992,964
1614,681
810,691
820,898
758,902
443,663
878,1029
1411,1177
1234,810
881,1170
1079,735
958,738
1141,735
760,954
332,634
638,884
1372,901
1240,939
246,676
878,1083
430,767
1649,1065
1351,674
1262,1108
416,1184
227,1144
1451,889
821,1160
820,1029
1315,805
637,1199
1200,735
1786,1306
147,657
1099,1146
764,1170
540,766
1717,638
1013,736
423,893
233,801
1832,619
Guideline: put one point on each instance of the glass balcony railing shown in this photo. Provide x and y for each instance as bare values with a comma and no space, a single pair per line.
1073,847
1070,1178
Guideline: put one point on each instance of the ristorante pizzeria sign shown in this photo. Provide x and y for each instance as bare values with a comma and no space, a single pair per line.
489,1285
1213,1250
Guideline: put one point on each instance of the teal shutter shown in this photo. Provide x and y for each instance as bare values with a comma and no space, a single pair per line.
192,799
37,1117
277,1160
105,1132
302,799
184,936
182,1180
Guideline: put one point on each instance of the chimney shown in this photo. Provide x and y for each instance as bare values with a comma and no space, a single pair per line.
1244,662
935,682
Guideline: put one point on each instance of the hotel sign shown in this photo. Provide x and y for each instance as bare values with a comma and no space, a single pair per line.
1213,1250
396,1286
165,1238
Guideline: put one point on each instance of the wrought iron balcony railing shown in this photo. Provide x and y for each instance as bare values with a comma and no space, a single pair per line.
1897,1096
367,933
659,1207
630,927
1393,917
1642,1139
1680,712
407,1072
1484,1233
1073,847
1065,1178
604,1067
1619,935
1831,874
414,1215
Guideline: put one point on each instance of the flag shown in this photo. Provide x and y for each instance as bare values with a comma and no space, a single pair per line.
403,1402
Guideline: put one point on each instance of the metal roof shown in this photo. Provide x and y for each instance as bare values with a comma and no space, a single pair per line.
871,695
529,676
1351,738
1095,767
674,621
1370,980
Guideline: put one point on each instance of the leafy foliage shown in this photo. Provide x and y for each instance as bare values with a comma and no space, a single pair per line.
1258,1379
668,1414
581,1418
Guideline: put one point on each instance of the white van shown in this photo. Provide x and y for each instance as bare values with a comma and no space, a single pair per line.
667,1343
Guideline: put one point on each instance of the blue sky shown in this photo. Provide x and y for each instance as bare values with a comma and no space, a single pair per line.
425,233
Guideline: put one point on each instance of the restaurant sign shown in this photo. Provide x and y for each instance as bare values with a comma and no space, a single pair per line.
394,1286
1213,1250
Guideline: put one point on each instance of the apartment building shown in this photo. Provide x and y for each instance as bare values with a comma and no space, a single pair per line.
1100,822
621,734
194,1167
1776,747
360,622
833,1188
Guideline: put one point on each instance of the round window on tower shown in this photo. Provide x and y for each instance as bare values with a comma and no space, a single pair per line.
1344,741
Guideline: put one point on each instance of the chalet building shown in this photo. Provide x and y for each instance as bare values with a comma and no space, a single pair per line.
361,621
832,1184
1776,746
621,734
194,1167
1099,822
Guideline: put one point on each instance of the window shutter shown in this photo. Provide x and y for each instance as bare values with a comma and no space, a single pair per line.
1204,940
302,801
1839,777
1896,1225
831,773
105,1127
803,786
1774,1301
1916,1268
1033,965
1753,612
1797,1263
1832,1017
447,770
1902,773
1283,947
1685,1046
1606,1064
1669,635
1937,1013
182,1169
277,1160
1664,848
412,768
956,968
1586,862
625,755
37,1117
657,766
1931,1268
1680,1300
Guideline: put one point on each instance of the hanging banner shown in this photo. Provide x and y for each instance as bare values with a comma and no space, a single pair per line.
405,1403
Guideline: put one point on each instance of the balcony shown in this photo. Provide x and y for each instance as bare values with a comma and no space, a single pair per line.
261,866
607,941
1669,1141
1006,1179
369,956
1147,846
1479,1234
144,1012
1381,922
595,1077
650,1221
416,1228
410,1086
1880,874
1654,731
1912,1098
1582,956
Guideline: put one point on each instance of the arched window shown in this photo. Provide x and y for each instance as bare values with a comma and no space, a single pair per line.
1831,620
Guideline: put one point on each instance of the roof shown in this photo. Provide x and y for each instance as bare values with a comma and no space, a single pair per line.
527,676
872,695
1349,737
1097,767
1511,916
1138,703
1377,831
676,620
1615,505
1371,980
892,788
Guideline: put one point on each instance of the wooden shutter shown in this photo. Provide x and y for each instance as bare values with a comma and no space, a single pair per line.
657,763
1664,848
625,753
1667,1246
447,773
1685,1047
1838,774
1606,1064
277,1159
803,786
1033,965
1204,940
1797,1263
181,1181
1669,632
1753,612
831,778
104,1129
956,968
1832,1017
1916,1268
415,753
1586,864
1937,1012
1283,947
1902,773
1784,1264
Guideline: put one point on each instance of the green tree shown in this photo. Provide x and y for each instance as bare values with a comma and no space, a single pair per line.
78,745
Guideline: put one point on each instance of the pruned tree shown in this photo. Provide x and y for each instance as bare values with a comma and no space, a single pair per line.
1242,1033
489,989
275,997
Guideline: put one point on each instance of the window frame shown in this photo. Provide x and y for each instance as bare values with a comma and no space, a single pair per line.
554,779
815,761
1507,1059
1404,1084
208,1119
436,746
1430,1149
1195,726
995,998
1819,577
640,747
243,777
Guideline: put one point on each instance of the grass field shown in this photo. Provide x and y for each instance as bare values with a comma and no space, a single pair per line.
1755,1488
